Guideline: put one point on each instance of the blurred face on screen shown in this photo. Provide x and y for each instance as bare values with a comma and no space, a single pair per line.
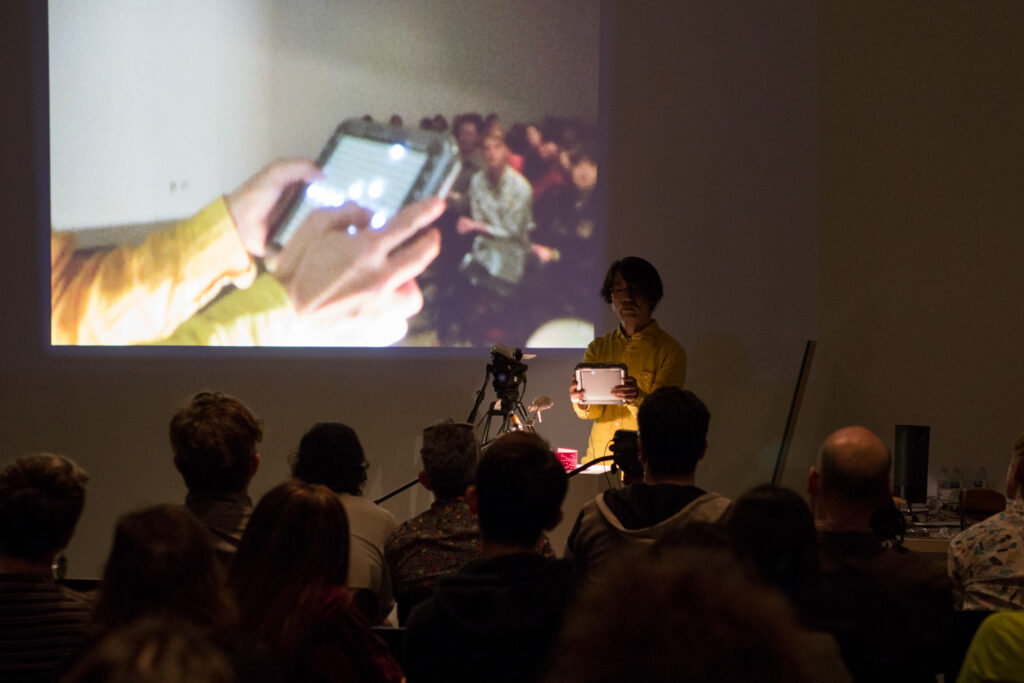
495,153
584,174
631,307
468,137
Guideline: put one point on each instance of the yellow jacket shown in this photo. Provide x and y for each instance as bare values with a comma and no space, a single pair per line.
145,294
653,358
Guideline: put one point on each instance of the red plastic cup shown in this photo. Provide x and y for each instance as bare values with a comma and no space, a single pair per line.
569,457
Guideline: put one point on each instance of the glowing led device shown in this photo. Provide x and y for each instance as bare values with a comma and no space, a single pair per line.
324,195
397,152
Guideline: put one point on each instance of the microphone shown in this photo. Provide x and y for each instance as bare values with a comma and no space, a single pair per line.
539,404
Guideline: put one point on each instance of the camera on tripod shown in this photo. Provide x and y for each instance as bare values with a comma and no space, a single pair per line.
508,373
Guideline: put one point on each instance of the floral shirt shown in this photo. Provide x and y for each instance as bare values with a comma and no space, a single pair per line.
986,562
431,545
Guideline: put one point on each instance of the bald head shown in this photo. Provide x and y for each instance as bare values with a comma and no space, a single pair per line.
854,468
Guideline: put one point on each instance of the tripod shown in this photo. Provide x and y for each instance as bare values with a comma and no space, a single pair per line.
509,407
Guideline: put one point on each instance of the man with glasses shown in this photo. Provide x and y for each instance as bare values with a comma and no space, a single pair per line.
653,358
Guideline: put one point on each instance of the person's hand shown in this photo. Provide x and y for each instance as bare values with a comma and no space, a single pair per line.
467,225
251,204
360,286
627,391
545,254
576,395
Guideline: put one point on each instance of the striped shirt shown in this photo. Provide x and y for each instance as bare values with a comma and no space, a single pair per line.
41,624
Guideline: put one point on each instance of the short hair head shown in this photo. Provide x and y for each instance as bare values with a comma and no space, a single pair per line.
693,615
214,441
450,452
854,467
520,488
673,430
41,500
639,274
330,454
773,528
163,563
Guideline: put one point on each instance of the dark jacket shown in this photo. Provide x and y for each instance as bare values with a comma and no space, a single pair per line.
889,609
493,620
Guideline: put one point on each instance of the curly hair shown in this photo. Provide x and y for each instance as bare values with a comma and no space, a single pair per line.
330,454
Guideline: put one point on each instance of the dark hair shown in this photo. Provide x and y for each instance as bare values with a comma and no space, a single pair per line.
153,650
773,529
520,488
214,440
469,117
330,454
692,615
673,430
162,563
41,500
294,549
450,452
641,276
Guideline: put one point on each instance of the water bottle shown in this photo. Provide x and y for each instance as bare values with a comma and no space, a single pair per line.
956,484
943,491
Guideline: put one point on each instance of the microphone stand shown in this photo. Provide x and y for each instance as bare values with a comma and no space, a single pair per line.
401,488
573,473
579,469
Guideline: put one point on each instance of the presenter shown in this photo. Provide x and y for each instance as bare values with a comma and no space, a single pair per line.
653,358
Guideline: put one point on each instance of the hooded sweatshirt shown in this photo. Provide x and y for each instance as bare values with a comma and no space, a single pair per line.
637,515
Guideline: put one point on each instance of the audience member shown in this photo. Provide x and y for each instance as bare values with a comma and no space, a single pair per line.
772,530
214,441
495,618
673,439
330,454
154,650
41,622
889,609
467,129
565,244
163,564
986,561
653,358
686,615
502,218
289,577
996,652
446,536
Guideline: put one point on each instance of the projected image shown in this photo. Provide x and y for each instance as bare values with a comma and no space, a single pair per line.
172,224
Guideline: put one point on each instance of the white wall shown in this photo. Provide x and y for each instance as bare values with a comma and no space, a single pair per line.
181,101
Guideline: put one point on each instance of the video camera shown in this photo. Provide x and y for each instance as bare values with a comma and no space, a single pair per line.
509,373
